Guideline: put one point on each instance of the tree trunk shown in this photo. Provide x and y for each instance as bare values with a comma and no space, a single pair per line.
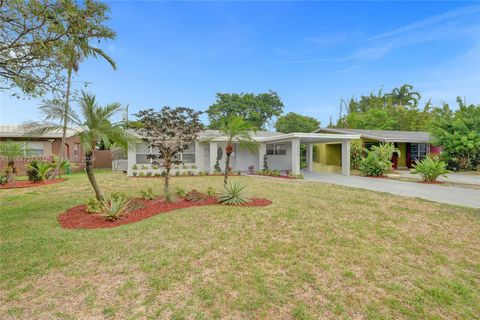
166,188
91,175
65,123
227,164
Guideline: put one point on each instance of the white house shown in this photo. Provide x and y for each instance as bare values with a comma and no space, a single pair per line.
282,150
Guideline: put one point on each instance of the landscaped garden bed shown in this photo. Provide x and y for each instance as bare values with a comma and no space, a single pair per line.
78,217
28,184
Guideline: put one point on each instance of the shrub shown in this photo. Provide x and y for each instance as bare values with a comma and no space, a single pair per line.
154,167
144,167
147,194
371,166
134,167
194,166
141,174
93,206
177,173
239,172
356,152
116,207
157,174
149,173
134,173
211,192
233,193
3,179
194,195
430,169
32,172
38,171
180,192
190,173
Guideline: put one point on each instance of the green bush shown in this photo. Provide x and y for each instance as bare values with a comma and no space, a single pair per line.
141,174
144,167
180,192
3,179
372,166
134,173
430,169
147,194
356,152
93,206
149,173
134,167
157,174
233,193
38,171
211,192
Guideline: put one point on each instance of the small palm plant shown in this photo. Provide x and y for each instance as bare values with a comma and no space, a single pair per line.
233,193
430,169
43,169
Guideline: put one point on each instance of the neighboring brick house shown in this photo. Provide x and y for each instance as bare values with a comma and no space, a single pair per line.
42,147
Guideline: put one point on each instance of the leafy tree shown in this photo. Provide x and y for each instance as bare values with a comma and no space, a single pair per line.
459,135
94,126
235,129
86,24
169,131
256,109
29,32
294,122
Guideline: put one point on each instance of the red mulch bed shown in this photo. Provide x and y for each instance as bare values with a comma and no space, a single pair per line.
431,182
78,218
28,184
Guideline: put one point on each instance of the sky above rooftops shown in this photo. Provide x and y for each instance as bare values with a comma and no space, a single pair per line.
311,53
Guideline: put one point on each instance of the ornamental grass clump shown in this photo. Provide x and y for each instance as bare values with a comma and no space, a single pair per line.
430,169
147,194
233,193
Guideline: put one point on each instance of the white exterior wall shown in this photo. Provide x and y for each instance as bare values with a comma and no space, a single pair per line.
279,162
244,158
132,157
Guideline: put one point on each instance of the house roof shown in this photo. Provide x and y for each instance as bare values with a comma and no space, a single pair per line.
383,135
19,131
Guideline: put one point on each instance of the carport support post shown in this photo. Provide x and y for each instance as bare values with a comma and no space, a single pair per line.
346,157
296,156
262,150
213,156
310,157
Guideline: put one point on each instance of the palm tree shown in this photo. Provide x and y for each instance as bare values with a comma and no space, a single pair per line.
10,151
404,96
236,129
76,49
94,126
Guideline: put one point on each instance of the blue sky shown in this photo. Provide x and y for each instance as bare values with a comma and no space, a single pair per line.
311,53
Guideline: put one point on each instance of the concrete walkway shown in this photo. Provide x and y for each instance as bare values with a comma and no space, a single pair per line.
443,194
451,177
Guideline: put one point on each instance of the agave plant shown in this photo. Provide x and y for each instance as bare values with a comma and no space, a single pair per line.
115,208
42,168
233,193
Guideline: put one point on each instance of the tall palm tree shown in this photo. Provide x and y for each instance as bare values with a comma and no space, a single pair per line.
404,96
236,129
94,126
76,48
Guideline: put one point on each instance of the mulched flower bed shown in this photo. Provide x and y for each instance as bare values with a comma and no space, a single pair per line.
78,218
28,184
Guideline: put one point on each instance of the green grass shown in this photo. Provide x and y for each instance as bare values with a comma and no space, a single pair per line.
319,251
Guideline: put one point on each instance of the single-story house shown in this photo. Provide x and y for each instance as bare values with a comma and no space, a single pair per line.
282,151
413,145
48,145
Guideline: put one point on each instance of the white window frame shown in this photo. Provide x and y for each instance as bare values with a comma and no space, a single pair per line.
272,148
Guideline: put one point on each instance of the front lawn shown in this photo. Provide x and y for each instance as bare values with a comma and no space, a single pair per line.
319,251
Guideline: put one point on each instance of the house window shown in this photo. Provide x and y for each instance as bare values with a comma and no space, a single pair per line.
418,151
278,149
75,149
34,148
142,151
187,156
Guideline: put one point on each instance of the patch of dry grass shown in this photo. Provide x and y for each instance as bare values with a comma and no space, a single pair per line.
319,251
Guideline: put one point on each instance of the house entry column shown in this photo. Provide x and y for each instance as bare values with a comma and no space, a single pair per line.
310,157
296,156
262,151
213,156
346,157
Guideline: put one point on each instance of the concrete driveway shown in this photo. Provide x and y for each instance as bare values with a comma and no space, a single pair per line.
443,194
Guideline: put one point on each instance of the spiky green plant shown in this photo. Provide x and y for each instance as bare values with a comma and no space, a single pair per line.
147,194
117,206
430,169
233,193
